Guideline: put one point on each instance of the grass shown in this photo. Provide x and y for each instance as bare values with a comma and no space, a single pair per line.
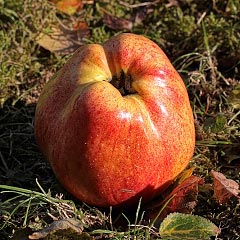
202,41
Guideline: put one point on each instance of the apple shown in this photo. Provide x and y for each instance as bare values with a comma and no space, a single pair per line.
115,122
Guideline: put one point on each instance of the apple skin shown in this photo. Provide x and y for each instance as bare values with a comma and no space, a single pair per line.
107,149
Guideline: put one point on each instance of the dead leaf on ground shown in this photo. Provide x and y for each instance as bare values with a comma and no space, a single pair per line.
224,188
63,40
70,226
68,6
80,25
117,23
184,199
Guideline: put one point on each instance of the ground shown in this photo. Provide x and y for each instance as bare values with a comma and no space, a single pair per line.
202,41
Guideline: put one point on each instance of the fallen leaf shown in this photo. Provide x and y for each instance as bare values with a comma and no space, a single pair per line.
62,40
70,226
224,188
81,25
187,227
183,199
68,6
117,23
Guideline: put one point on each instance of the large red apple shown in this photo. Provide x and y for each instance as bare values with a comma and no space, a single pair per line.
115,122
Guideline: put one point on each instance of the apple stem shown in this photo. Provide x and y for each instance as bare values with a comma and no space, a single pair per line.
124,84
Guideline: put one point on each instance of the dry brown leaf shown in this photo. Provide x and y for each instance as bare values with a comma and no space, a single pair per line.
68,6
81,25
117,23
67,224
62,40
224,188
184,199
